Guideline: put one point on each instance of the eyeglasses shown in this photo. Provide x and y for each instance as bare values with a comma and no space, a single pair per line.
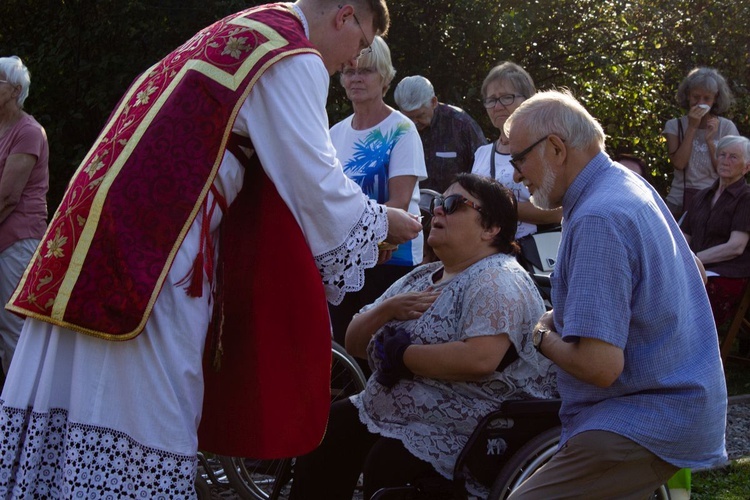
350,72
517,159
450,204
6,81
505,100
368,49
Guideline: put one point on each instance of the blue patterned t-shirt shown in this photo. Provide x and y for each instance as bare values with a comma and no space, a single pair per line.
371,157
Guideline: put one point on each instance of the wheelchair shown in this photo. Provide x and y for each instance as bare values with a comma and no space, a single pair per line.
506,448
270,479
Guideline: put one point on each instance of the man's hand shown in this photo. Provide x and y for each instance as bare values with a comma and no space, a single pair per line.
402,226
547,320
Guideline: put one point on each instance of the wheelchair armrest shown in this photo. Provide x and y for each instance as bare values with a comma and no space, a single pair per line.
527,418
512,408
541,279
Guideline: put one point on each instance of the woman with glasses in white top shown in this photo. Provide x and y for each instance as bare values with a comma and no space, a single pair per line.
504,88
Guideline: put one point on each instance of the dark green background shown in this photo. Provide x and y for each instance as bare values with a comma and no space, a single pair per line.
623,59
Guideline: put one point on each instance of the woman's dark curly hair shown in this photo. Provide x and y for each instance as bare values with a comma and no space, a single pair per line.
499,209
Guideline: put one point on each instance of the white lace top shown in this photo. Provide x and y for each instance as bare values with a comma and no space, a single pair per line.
434,418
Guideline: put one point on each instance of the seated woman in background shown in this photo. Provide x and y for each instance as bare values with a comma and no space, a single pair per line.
447,343
504,89
691,139
717,227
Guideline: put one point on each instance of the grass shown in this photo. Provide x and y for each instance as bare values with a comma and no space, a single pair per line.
728,483
733,481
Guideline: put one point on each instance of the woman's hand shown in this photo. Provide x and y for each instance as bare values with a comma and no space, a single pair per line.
390,349
696,114
412,305
401,307
384,256
402,226
712,126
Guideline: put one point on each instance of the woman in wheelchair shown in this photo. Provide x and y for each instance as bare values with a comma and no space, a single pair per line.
447,344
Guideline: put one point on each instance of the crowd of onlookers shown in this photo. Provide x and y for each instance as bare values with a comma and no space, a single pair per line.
370,433
448,322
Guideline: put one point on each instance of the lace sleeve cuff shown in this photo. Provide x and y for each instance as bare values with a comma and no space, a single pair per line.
343,268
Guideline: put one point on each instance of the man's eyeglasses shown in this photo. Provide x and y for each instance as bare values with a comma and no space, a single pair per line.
505,100
450,204
517,159
368,48
5,81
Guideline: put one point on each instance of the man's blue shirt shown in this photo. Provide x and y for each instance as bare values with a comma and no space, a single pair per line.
625,275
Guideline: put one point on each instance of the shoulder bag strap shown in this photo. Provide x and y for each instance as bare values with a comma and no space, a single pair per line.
680,136
492,162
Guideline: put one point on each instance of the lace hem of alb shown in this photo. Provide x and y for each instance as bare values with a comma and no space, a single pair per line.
343,269
45,456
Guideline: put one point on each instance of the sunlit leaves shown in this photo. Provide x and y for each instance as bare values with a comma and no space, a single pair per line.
623,58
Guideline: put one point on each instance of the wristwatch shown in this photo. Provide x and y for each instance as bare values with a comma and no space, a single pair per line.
538,337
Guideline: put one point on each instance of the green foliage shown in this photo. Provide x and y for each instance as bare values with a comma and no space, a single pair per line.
83,54
728,483
622,58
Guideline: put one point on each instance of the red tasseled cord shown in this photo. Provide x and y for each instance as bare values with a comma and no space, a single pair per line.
204,261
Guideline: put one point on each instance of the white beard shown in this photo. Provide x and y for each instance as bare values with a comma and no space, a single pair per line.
540,198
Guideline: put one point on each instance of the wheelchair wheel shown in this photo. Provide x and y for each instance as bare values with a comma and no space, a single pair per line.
210,476
662,493
268,479
529,457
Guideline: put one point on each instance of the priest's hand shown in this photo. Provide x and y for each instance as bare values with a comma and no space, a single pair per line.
402,226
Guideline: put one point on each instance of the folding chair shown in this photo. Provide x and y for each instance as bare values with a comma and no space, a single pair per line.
739,323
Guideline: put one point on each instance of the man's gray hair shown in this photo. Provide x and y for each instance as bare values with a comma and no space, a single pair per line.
413,92
559,113
731,140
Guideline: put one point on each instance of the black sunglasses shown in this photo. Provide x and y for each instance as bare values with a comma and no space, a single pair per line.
450,204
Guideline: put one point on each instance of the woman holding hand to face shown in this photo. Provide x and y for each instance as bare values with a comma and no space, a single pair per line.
691,139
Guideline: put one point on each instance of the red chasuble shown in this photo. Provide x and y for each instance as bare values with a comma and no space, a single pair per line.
111,243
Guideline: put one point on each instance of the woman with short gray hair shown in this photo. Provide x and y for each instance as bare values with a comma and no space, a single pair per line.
717,227
24,181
